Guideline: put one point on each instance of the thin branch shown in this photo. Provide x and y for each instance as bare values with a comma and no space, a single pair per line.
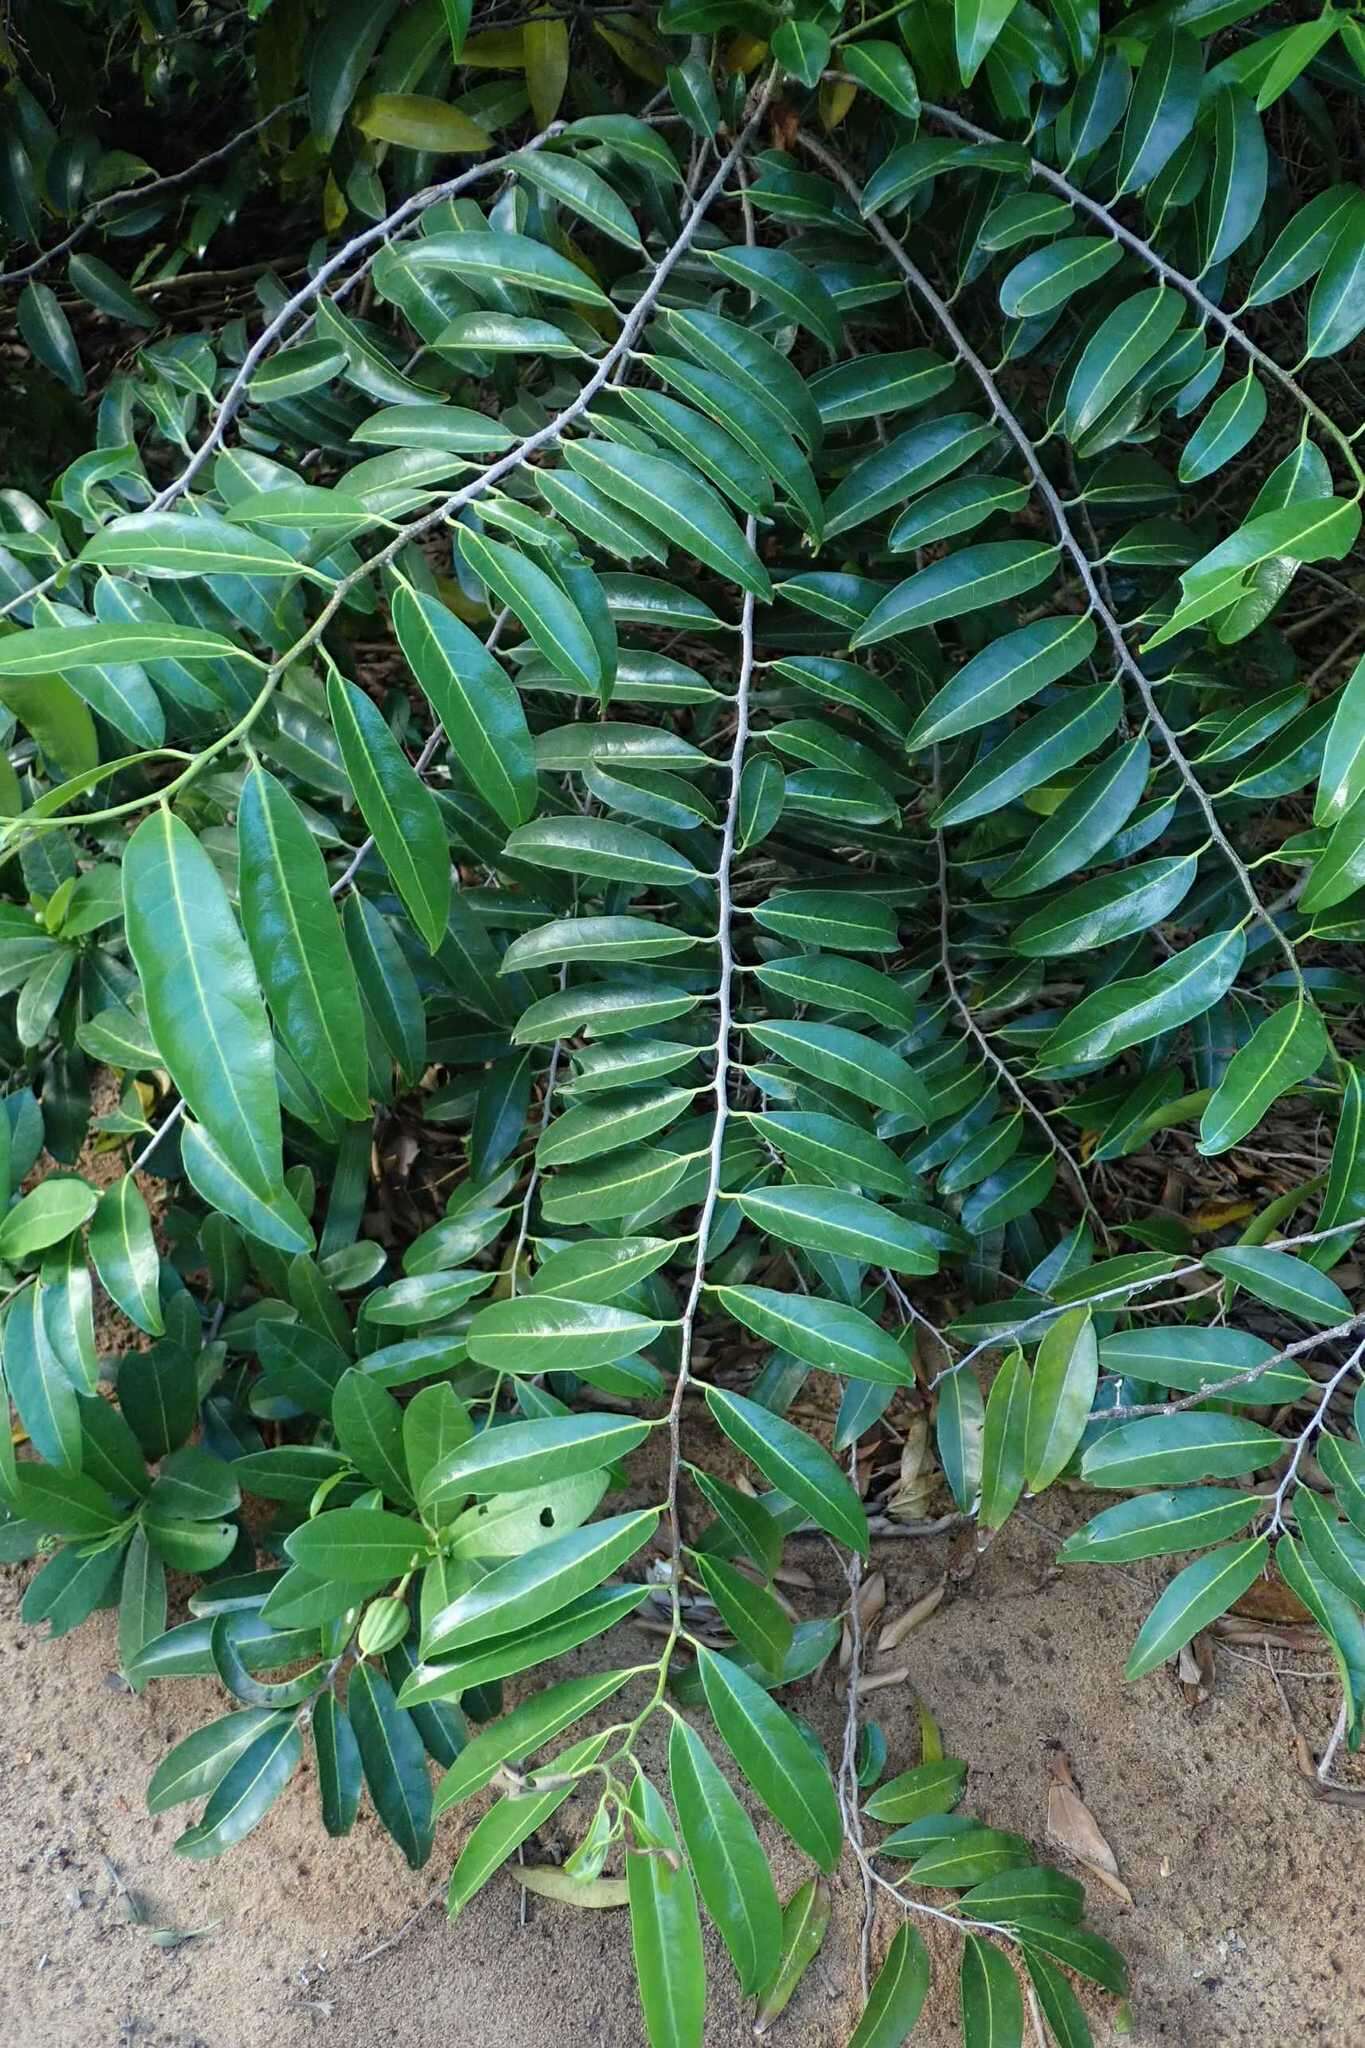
979,1038
140,192
721,1082
1127,663
1167,272
1315,1423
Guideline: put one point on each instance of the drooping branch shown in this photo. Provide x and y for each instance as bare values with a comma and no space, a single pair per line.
1227,323
1126,661
128,193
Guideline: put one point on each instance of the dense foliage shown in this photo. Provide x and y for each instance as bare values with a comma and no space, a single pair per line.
646,756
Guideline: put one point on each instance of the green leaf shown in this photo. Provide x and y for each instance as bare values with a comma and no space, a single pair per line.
1303,244
1335,1615
1163,1450
928,1788
959,1428
516,1454
573,184
296,944
1002,1448
361,1546
885,71
1120,348
369,1429
339,1765
750,1612
968,581
181,544
398,809
1162,110
848,1060
492,256
1061,2007
1034,753
244,1796
45,1216
802,49
477,706
775,1758
1130,1012
601,848
1284,1281
393,1760
794,1463
1003,676
731,1870
278,1222
1235,416
976,25
786,284
845,1225
1336,310
1109,908
898,1994
199,1763
46,329
551,618
102,287
1286,1047
1046,278
339,61
1177,1355
904,467
1160,1525
53,650
1065,1374
805,1923
1341,783
499,1832
535,1586
686,511
992,2003
203,1002
665,1928
1194,1598
513,1736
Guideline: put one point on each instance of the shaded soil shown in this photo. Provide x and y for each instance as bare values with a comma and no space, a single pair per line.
1242,1930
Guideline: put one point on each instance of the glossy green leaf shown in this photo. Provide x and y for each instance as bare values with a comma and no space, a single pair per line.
794,1463
731,1870
398,809
1194,1598
203,1000
776,1761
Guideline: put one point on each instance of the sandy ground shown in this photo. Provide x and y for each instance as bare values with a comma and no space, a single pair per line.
1241,1930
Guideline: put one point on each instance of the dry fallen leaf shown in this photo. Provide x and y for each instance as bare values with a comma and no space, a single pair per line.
918,1475
1072,1826
896,1631
1196,1670
871,1601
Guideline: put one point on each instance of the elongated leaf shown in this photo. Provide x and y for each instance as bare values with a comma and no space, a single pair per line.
794,1463
774,1757
398,809
203,1000
296,944
731,1870
1194,1598
898,1994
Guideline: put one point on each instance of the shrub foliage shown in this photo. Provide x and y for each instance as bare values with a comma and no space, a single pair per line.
654,750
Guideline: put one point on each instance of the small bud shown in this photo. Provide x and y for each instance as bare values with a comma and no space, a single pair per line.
383,1625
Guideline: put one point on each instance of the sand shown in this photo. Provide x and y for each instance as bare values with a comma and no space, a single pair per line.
1242,1928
